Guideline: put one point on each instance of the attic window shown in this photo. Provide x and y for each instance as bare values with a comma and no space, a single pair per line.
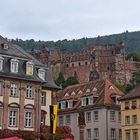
14,65
67,94
88,90
73,93
5,46
41,74
29,68
111,87
94,89
80,92
115,98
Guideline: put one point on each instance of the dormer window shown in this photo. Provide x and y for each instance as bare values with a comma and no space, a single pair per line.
29,68
63,105
14,65
41,74
90,102
1,63
70,103
115,99
83,101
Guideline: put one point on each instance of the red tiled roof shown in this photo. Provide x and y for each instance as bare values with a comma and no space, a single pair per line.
135,93
104,91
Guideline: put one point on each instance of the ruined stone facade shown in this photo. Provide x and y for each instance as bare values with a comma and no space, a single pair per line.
96,62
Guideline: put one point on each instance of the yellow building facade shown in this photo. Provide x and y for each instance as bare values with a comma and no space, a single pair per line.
130,111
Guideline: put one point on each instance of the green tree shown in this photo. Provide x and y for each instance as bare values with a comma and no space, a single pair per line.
60,80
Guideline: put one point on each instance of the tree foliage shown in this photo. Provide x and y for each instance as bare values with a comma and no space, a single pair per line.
131,39
60,81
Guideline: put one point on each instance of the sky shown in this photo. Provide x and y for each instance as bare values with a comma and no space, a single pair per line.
67,19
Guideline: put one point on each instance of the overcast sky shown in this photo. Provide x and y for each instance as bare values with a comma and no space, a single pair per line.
70,19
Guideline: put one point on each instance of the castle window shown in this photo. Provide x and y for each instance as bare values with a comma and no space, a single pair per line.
41,74
88,134
79,64
134,119
14,90
14,65
96,133
95,115
1,63
29,68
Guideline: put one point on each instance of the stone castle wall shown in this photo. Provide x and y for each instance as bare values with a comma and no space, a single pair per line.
104,62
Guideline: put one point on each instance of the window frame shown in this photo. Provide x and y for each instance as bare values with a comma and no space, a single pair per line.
61,120
112,115
113,134
68,119
29,92
13,118
88,117
29,64
41,74
96,116
88,135
27,119
14,90
14,65
96,133
1,63
43,99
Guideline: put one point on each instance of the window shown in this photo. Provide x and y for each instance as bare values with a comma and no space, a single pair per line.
1,63
113,134
128,135
88,134
28,119
70,104
61,120
88,116
135,134
127,119
95,115
29,68
13,90
68,119
112,115
63,105
43,99
119,116
14,65
41,74
1,116
96,133
120,134
126,105
134,119
12,118
134,104
0,88
29,92
90,100
83,101
59,105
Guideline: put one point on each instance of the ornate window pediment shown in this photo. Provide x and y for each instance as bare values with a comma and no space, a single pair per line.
29,106
14,105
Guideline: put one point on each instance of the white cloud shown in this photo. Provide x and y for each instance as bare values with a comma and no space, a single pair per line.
59,19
